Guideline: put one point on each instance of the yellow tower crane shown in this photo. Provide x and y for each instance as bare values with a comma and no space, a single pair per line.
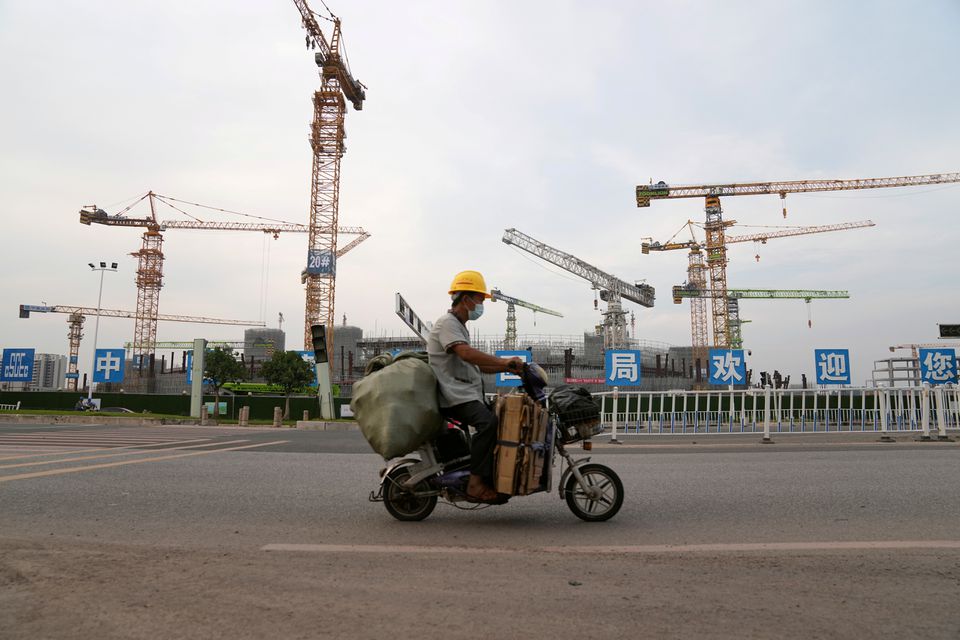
326,138
150,257
716,243
78,316
696,278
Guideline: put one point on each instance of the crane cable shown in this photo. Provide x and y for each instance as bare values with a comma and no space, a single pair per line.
160,198
204,206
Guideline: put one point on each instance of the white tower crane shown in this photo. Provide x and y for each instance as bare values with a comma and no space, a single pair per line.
510,339
612,289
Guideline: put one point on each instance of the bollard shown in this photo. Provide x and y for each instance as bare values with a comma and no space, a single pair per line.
613,428
204,416
882,408
766,416
277,416
306,415
925,412
244,416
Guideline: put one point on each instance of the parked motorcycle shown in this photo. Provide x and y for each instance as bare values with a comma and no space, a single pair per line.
411,486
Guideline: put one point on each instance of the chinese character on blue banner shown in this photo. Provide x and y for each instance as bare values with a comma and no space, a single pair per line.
17,365
622,368
727,366
511,379
938,366
108,365
833,366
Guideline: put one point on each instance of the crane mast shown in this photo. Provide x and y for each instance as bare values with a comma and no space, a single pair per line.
612,289
510,338
326,139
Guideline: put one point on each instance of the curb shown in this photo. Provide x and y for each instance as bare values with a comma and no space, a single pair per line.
93,419
322,425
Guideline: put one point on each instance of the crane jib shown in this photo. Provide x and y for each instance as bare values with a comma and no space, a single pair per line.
662,190
639,293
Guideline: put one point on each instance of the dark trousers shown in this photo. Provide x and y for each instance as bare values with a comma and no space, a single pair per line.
481,418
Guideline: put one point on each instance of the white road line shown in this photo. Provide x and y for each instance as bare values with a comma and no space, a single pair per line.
18,437
53,451
106,465
864,545
114,453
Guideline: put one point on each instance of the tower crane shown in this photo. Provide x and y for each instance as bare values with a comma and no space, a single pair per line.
733,297
716,243
78,316
150,257
612,289
696,279
510,338
326,139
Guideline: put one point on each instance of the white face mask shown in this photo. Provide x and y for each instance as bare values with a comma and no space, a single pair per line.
476,312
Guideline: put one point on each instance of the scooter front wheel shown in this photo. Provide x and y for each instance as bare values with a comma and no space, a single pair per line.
599,497
403,504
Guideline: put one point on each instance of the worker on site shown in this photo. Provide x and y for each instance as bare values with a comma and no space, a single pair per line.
458,366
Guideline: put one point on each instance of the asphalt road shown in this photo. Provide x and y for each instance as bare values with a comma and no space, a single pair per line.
271,532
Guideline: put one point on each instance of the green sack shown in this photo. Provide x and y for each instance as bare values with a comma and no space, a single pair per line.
397,407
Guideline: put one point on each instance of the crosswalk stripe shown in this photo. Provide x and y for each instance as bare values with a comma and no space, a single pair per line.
86,442
113,455
30,452
119,445
20,437
55,472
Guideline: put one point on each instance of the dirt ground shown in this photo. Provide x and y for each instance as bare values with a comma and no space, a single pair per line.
77,589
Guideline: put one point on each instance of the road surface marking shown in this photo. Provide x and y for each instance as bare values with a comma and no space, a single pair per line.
126,452
48,451
626,549
56,472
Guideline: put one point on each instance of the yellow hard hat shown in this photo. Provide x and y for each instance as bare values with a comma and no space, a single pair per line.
471,281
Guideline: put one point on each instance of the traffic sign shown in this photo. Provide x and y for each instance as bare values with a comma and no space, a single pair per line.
950,330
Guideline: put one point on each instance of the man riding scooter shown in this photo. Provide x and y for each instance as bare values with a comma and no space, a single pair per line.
458,366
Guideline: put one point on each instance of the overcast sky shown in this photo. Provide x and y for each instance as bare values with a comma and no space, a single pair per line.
543,116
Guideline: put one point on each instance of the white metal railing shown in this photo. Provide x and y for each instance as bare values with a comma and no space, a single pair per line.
845,410
10,407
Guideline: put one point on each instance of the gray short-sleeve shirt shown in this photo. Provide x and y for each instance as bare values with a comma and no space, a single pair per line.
459,381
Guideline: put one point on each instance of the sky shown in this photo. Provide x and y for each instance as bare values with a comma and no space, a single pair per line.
481,116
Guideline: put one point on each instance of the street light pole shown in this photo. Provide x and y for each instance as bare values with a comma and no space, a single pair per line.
96,327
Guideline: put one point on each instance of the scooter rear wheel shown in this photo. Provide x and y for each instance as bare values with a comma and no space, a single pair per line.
608,491
402,504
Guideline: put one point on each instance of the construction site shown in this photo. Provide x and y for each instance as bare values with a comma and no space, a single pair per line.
576,358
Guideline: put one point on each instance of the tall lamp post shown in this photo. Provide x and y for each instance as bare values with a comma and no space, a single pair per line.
96,327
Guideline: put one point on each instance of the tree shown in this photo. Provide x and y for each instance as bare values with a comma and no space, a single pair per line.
290,372
220,366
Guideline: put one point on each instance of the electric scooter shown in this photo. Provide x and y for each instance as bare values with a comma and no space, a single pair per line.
410,487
